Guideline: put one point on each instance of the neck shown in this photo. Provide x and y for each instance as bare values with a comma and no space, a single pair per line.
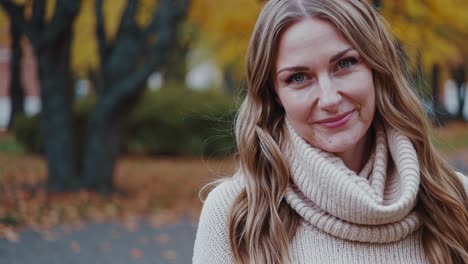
356,157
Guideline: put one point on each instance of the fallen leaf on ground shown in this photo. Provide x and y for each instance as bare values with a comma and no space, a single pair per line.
115,234
75,247
131,225
143,240
11,235
136,253
50,236
169,254
104,246
162,239
147,189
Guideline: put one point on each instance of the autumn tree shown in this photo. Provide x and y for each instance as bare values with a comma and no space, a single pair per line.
225,34
458,73
51,40
139,46
434,34
125,64
16,55
16,88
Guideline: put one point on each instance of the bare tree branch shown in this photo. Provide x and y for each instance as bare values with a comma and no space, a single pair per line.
168,20
16,14
38,14
127,22
181,9
127,26
100,32
65,13
168,10
10,7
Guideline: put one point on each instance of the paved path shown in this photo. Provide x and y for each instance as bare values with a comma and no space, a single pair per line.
103,243
460,161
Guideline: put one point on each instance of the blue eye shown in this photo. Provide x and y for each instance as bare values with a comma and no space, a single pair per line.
346,63
296,78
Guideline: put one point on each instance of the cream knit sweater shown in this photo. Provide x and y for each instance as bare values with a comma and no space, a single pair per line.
347,217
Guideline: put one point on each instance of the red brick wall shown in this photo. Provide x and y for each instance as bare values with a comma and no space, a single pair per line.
29,75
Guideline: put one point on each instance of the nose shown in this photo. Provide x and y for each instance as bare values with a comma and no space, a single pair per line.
329,97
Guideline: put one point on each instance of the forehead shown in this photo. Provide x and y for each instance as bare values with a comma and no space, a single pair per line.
309,38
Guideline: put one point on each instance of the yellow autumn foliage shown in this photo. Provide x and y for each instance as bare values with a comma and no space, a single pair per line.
84,53
225,28
3,24
434,29
84,50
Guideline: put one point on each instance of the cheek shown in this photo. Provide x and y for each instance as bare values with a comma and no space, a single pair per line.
364,92
368,94
296,105
367,102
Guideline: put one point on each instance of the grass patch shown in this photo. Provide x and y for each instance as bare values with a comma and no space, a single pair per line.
9,145
451,138
9,220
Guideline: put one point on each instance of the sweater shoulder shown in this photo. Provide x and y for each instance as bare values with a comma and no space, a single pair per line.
212,239
220,199
225,192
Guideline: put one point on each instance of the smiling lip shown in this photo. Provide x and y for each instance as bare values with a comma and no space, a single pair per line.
336,121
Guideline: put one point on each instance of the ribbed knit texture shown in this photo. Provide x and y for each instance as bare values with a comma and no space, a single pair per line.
372,206
348,218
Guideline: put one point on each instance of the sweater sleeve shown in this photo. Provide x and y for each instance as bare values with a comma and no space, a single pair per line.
212,239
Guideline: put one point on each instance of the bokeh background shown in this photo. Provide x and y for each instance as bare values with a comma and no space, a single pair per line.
114,113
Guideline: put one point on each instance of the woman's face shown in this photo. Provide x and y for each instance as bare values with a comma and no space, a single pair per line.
325,87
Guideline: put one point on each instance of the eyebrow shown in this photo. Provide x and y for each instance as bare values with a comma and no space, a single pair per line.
295,68
304,68
339,55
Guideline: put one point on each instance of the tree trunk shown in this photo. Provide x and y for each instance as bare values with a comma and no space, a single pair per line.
231,85
436,117
176,66
57,124
101,151
16,89
106,131
126,64
51,40
459,76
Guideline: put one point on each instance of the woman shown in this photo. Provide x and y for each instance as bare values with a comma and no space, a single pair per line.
336,163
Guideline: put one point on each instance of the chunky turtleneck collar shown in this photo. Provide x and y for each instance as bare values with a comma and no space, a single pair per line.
375,205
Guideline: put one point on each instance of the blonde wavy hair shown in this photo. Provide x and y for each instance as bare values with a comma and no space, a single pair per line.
261,224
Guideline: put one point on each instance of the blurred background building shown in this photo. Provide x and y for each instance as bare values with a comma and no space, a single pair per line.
29,79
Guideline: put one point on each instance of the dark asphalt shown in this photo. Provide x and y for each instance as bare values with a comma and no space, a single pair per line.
461,164
103,243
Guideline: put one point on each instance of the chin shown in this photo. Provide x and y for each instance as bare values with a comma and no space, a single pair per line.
339,148
346,142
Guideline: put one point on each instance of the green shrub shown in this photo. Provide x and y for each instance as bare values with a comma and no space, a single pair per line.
182,122
9,220
28,133
10,146
171,121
